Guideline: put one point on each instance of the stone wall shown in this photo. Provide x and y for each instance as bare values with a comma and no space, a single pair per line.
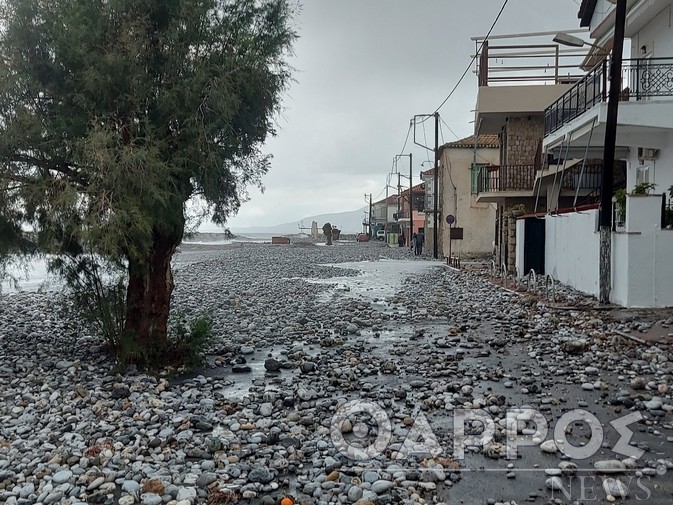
523,136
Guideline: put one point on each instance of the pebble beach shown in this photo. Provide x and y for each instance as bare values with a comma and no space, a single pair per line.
302,333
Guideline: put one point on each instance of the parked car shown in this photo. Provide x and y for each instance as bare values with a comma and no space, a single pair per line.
362,237
381,235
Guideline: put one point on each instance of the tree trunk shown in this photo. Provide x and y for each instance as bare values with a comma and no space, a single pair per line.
149,291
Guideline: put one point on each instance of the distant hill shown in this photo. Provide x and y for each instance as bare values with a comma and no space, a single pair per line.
347,222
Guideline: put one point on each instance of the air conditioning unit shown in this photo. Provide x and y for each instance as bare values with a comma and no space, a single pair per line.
645,153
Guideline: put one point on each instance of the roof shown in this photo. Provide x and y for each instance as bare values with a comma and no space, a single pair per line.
484,140
392,199
586,12
418,188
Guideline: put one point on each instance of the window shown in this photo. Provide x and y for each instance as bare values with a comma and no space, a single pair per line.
643,175
477,169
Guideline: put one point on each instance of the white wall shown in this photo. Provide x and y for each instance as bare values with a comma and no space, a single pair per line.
572,250
642,271
656,36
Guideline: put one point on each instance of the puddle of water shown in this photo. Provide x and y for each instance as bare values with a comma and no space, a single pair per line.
378,280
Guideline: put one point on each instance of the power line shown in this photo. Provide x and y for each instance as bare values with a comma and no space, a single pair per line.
467,69
458,138
406,139
450,129
425,139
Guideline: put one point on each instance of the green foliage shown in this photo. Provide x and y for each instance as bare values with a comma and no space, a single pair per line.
644,188
183,349
670,191
114,114
190,343
519,208
98,292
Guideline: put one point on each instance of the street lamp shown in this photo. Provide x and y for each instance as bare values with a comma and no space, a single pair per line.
572,41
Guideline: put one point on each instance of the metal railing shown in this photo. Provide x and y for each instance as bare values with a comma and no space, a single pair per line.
646,78
649,77
493,178
589,91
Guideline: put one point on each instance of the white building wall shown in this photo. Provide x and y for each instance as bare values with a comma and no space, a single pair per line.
619,292
572,250
642,270
656,37
663,167
602,10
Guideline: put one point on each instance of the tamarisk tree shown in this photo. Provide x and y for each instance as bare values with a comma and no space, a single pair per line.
115,113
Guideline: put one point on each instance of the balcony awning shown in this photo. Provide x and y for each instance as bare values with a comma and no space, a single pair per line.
554,171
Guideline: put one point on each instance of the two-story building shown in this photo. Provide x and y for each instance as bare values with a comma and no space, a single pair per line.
472,223
517,82
642,241
411,221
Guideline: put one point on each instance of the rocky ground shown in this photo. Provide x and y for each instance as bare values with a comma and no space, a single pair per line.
337,379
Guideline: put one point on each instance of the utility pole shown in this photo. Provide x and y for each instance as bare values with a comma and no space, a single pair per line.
435,211
411,208
609,154
370,215
399,195
436,186
368,201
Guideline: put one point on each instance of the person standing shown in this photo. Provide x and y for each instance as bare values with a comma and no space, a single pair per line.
419,243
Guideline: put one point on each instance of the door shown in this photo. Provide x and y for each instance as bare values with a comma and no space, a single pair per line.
533,246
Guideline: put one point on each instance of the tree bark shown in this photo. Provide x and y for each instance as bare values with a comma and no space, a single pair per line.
149,292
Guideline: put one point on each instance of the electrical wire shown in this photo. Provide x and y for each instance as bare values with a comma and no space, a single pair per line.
467,69
406,138
425,139
450,129
458,138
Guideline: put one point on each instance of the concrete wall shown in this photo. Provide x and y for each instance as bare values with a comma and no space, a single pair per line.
642,267
456,199
656,36
572,250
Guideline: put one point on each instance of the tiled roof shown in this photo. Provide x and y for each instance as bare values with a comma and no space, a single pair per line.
418,188
468,142
390,200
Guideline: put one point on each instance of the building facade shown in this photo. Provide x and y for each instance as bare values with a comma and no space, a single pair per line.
474,221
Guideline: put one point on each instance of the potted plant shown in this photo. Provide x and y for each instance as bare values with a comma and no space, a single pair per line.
644,188
641,189
517,210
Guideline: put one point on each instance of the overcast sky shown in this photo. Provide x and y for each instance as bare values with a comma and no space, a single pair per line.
363,69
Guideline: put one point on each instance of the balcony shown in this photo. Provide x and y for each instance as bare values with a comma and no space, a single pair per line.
504,181
501,178
647,78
